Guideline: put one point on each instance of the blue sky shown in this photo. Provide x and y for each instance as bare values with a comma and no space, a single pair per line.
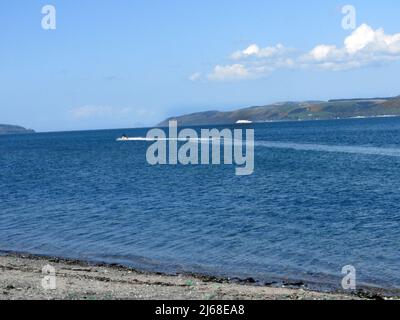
124,63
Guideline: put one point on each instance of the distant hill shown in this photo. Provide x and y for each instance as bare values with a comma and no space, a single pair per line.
286,111
10,129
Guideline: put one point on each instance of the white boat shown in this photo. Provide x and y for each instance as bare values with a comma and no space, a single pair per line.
244,122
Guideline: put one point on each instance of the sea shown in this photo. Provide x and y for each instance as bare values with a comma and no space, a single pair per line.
323,195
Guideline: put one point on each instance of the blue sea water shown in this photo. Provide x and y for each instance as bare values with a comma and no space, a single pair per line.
324,194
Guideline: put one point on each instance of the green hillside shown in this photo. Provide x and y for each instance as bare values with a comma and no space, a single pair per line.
286,111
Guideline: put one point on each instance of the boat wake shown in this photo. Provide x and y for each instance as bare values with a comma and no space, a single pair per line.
168,139
391,152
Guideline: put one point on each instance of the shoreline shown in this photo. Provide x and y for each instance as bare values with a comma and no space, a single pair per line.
388,116
21,277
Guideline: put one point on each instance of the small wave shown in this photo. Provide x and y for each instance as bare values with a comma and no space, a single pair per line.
391,152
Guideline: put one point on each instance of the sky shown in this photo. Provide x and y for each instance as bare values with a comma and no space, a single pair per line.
131,63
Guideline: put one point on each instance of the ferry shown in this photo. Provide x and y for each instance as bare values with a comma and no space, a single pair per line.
244,122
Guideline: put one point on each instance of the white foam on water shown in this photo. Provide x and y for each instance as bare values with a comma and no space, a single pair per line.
166,139
133,139
391,152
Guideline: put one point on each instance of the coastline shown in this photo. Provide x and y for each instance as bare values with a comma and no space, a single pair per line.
21,277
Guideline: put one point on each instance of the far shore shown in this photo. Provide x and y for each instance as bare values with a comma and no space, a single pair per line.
21,278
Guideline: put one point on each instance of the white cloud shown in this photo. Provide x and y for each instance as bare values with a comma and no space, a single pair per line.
365,38
249,70
324,52
229,72
255,62
359,39
195,76
365,46
255,51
